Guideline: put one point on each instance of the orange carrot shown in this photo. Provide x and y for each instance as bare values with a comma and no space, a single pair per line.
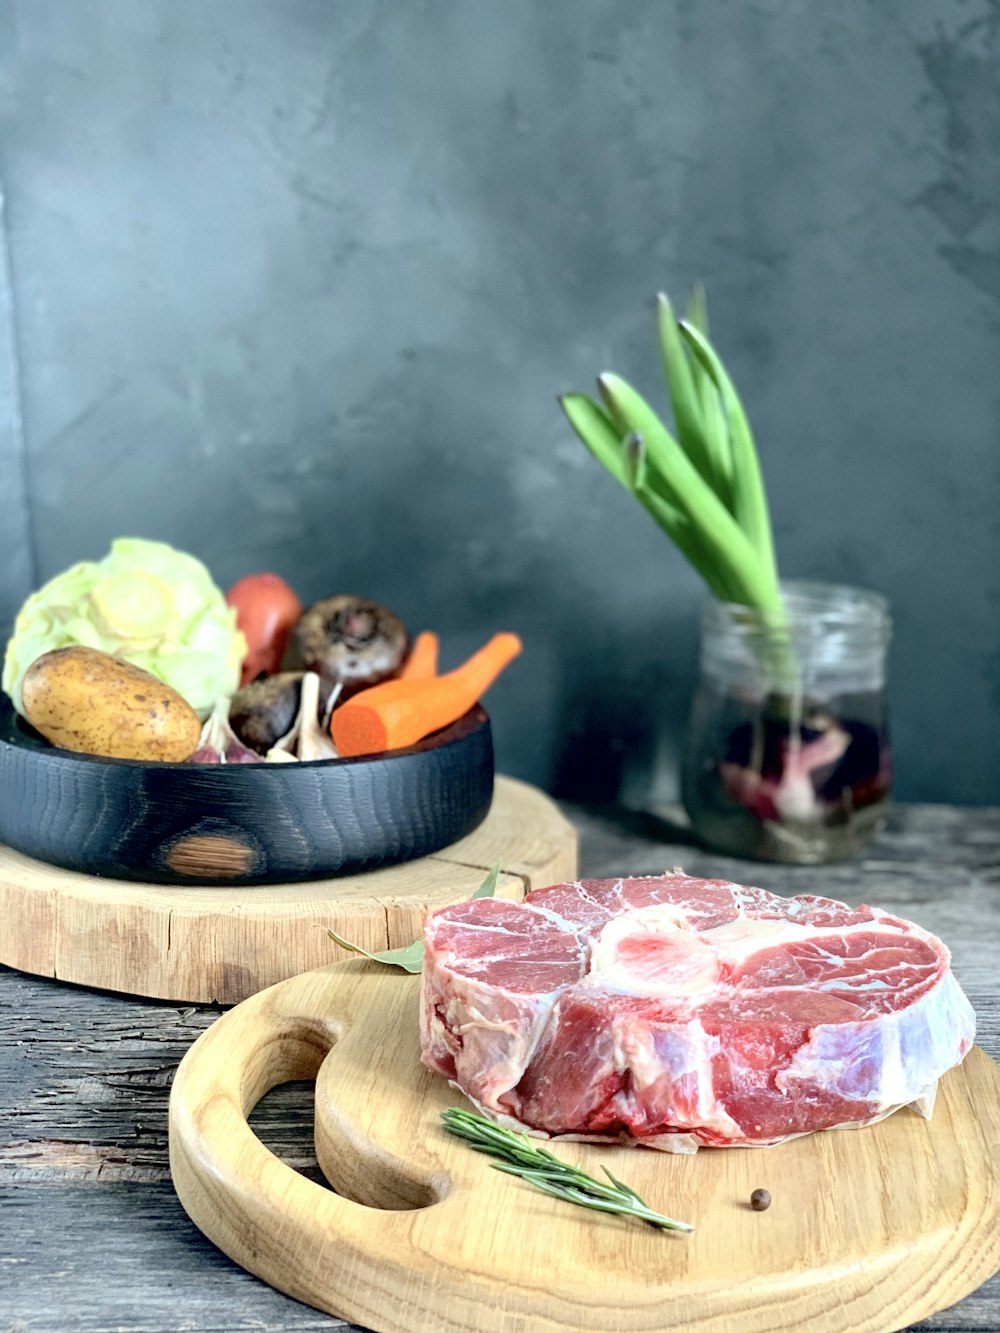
398,713
423,659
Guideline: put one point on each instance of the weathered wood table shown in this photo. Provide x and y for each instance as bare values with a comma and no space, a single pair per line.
91,1234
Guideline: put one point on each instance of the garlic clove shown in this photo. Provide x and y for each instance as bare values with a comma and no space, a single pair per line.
283,750
278,756
314,739
218,743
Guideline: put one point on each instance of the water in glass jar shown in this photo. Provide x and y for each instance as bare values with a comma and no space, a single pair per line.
786,779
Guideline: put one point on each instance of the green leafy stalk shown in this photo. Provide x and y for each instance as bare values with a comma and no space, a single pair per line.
713,422
696,408
676,524
601,435
520,1156
720,537
705,488
411,956
749,495
624,456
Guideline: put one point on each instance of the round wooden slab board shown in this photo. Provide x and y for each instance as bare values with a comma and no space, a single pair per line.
223,943
869,1229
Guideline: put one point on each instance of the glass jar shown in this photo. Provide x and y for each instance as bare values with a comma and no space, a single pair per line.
787,752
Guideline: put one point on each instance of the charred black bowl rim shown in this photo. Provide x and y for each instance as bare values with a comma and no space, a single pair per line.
197,824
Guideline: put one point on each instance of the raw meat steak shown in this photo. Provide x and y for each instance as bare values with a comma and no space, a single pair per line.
678,1011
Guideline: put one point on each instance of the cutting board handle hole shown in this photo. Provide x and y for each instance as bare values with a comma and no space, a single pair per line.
283,1121
293,1049
371,1175
282,1072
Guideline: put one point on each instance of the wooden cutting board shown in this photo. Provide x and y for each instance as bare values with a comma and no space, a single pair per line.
224,942
869,1230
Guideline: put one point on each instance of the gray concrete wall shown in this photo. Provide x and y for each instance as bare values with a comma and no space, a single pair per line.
294,285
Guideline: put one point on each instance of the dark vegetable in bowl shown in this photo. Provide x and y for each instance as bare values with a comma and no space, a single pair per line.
350,641
263,711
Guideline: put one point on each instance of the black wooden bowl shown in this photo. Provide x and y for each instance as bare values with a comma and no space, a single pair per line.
241,823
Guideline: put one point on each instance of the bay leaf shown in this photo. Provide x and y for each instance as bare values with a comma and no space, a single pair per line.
411,956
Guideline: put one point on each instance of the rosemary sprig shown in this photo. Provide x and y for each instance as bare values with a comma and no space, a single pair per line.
521,1157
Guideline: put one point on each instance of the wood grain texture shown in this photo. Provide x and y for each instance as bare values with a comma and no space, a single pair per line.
869,1228
94,1238
241,824
223,943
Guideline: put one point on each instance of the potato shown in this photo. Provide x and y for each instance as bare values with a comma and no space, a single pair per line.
85,700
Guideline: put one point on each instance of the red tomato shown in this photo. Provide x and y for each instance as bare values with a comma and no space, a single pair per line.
267,610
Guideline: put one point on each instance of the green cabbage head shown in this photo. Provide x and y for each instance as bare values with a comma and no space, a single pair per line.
146,603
